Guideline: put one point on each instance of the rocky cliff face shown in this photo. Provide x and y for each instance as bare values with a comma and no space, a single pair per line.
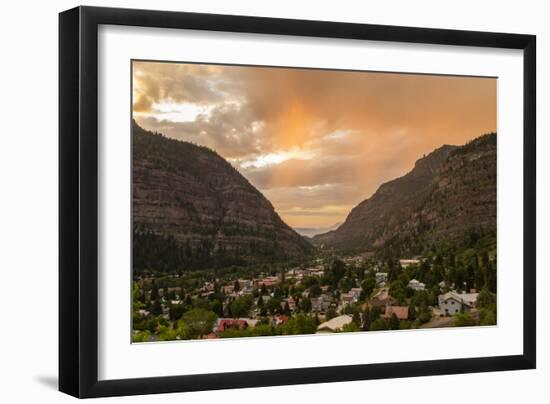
448,192
193,195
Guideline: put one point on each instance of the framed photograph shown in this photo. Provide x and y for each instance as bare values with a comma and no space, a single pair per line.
251,201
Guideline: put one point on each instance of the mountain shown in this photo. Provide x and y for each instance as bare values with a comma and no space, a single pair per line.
193,206
447,194
313,231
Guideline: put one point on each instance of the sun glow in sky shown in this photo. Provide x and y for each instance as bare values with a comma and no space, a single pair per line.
276,158
314,142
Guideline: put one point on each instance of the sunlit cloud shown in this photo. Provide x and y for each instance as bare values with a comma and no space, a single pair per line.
338,134
314,142
276,158
180,112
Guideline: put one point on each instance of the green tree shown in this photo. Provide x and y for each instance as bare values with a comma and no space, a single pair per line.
286,309
300,324
379,324
176,311
412,312
315,290
197,322
393,323
330,314
263,289
166,334
374,314
366,318
336,272
491,281
141,336
485,299
154,290
367,286
423,315
487,317
351,327
156,308
464,320
273,306
241,306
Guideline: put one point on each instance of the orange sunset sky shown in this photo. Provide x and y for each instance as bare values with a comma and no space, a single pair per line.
314,142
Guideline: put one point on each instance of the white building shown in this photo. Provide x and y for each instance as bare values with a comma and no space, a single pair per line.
335,324
416,285
356,293
381,277
406,262
452,302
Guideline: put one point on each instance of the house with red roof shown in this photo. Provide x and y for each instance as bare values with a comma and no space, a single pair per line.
226,323
401,312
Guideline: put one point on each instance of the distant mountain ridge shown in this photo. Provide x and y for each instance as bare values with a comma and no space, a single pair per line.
196,198
448,192
313,231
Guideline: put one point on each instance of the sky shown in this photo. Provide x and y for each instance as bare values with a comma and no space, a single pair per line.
314,142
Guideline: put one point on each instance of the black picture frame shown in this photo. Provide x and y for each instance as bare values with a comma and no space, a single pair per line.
78,201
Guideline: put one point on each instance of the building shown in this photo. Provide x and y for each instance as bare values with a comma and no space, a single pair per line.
245,284
223,324
315,271
251,322
382,298
356,293
295,273
227,289
346,299
321,303
452,302
267,281
401,312
207,287
416,285
357,260
335,324
280,320
406,262
246,290
381,277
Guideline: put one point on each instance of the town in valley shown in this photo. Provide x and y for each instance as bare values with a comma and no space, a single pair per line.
328,294
273,201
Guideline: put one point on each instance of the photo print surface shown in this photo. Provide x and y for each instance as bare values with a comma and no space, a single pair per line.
273,201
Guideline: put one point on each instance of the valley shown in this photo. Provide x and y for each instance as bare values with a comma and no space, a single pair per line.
213,259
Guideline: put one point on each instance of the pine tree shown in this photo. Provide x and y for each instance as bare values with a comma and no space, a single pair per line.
286,309
394,322
154,291
412,312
